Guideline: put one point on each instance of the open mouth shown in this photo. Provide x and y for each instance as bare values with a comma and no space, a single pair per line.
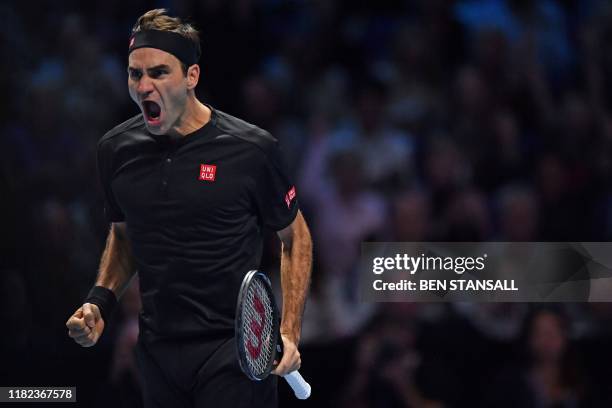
152,111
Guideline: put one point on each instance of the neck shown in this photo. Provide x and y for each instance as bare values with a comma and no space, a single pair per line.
195,116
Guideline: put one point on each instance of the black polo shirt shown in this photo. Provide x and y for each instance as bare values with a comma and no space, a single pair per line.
195,207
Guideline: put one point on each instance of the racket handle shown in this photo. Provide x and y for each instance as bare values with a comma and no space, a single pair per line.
298,384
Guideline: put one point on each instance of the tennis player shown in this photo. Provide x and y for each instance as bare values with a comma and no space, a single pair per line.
188,191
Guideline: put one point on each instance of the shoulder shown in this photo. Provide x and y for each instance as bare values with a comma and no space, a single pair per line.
134,122
246,132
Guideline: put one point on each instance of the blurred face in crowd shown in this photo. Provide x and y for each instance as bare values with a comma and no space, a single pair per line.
370,105
547,340
160,88
411,218
471,90
347,173
519,217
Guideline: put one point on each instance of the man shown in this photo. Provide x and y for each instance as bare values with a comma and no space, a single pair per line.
188,191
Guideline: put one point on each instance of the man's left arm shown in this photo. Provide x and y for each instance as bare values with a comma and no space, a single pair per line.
296,262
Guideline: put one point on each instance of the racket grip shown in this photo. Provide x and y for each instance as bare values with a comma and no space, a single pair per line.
300,387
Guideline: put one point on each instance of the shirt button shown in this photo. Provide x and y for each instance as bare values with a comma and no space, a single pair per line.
168,160
165,183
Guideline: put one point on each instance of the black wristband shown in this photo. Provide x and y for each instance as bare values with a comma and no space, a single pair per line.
104,298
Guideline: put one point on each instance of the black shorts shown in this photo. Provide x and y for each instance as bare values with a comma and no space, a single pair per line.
184,374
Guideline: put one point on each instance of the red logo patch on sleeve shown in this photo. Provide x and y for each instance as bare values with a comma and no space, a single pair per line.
290,196
207,172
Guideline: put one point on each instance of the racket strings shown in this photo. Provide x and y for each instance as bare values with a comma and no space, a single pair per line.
258,328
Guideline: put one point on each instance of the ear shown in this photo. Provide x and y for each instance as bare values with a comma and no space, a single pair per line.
193,76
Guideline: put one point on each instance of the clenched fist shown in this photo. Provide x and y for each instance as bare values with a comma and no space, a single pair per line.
86,325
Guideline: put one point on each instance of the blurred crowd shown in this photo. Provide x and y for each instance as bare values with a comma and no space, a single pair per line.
422,120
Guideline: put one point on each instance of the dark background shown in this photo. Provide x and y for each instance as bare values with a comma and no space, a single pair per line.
400,120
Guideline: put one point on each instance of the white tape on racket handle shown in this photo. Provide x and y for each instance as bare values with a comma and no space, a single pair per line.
298,384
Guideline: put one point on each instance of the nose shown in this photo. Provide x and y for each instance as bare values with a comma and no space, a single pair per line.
144,86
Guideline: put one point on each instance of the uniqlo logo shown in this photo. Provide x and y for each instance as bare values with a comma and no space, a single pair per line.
290,196
207,172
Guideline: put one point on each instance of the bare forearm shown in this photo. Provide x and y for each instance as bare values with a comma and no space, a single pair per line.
296,262
117,264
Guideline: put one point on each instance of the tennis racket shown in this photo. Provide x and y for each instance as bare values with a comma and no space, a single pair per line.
258,339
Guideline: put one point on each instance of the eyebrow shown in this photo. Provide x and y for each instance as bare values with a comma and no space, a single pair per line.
156,67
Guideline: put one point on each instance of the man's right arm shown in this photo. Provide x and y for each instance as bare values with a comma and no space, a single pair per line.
117,269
